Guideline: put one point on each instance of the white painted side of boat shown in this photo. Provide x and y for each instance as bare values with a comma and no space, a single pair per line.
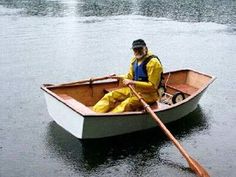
100,126
105,126
65,116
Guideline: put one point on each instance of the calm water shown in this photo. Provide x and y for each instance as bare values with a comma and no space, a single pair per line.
55,41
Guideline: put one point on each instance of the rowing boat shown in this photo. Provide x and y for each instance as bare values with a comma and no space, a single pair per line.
70,104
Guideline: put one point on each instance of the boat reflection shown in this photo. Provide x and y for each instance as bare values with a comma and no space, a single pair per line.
85,155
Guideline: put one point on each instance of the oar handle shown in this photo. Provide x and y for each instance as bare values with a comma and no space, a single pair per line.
196,167
112,76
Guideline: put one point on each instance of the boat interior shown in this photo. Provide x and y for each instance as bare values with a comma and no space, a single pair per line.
83,95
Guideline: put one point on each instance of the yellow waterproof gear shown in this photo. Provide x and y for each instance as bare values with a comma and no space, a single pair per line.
154,69
123,99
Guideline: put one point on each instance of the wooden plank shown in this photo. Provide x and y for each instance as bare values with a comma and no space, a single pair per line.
75,104
85,93
184,88
197,80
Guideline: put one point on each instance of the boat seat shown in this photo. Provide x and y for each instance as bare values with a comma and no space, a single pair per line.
184,88
76,105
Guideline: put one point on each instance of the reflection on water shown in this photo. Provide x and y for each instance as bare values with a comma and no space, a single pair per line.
191,10
104,8
36,7
145,145
182,10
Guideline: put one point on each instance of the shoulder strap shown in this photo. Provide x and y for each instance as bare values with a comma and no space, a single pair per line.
148,59
145,67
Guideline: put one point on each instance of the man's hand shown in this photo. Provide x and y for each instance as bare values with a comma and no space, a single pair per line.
128,82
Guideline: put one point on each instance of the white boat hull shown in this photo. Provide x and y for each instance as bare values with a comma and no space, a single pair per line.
100,126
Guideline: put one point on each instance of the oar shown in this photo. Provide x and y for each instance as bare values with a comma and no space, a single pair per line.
82,81
193,164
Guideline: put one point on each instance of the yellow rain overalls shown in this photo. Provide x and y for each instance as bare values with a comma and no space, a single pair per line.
123,99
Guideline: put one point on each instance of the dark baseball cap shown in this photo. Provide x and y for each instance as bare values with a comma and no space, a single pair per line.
138,43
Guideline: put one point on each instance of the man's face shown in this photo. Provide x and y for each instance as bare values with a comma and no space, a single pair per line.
139,52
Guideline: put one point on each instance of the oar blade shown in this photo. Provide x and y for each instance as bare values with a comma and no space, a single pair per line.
197,168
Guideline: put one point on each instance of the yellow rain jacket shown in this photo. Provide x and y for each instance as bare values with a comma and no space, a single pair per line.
123,99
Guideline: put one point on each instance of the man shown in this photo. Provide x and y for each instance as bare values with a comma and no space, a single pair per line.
144,74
